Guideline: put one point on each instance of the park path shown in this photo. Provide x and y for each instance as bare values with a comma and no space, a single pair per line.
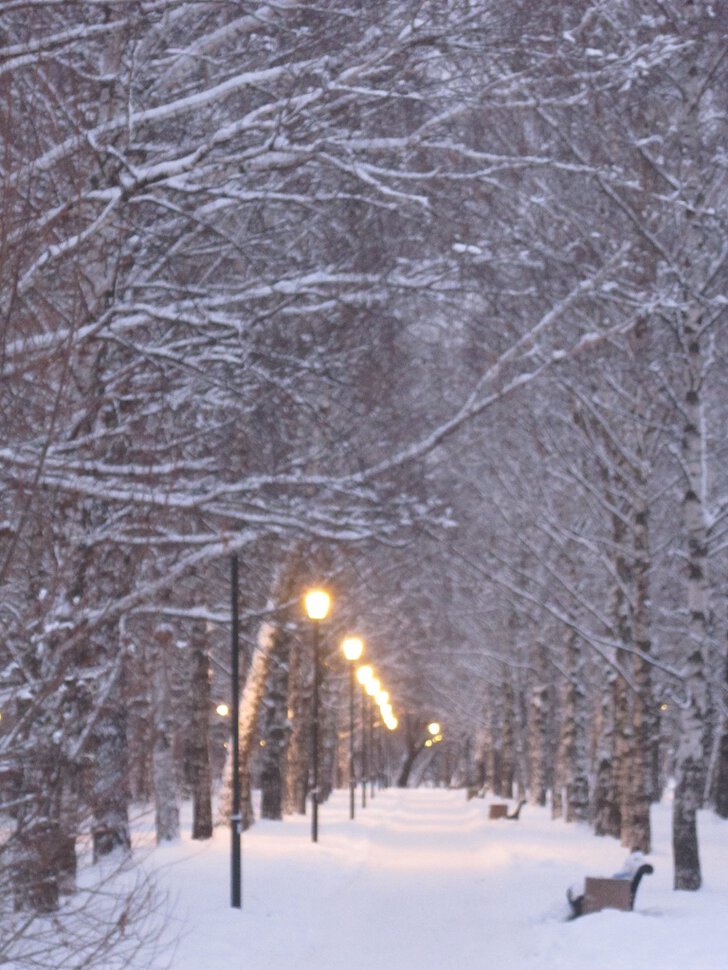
422,892
420,880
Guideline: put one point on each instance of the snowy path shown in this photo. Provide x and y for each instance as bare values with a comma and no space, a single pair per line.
422,880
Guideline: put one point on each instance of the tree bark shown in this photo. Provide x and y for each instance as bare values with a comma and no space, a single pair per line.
198,745
298,752
165,781
690,767
573,768
275,729
605,810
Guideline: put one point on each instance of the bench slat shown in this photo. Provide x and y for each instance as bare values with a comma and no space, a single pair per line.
606,894
497,811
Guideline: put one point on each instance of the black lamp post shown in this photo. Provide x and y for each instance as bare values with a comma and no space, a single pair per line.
317,603
364,675
352,648
372,687
236,817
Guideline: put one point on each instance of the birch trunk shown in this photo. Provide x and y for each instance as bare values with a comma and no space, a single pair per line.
721,773
572,760
636,833
275,729
199,769
250,703
109,786
605,812
165,781
298,754
508,743
539,743
690,771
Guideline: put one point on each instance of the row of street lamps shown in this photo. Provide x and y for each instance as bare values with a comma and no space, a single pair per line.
318,604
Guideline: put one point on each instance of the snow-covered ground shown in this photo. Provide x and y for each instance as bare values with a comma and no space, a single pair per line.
422,880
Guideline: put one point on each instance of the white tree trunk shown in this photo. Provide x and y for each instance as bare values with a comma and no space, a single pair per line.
163,767
251,699
690,768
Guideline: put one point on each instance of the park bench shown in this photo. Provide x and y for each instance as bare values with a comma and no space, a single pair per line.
618,892
500,810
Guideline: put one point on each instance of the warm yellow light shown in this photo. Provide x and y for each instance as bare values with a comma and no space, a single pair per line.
353,648
364,674
222,709
385,710
382,697
438,737
428,743
391,722
433,728
663,707
317,603
372,686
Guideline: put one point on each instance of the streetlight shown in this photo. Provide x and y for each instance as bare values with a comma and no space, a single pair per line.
434,730
318,603
372,688
353,648
364,674
236,817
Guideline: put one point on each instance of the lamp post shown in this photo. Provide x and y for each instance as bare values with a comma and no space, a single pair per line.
236,817
317,603
364,674
352,648
372,688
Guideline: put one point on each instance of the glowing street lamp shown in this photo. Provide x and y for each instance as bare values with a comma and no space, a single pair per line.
318,603
364,674
372,686
434,730
352,648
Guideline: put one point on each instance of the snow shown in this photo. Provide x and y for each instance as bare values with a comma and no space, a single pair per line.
422,879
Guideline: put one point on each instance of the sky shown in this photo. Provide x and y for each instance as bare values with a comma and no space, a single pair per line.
423,880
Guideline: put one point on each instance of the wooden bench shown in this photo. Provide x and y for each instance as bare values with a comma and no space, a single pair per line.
606,894
500,810
601,893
